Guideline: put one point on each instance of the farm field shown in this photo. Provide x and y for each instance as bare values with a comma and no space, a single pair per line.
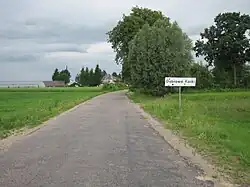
216,124
28,107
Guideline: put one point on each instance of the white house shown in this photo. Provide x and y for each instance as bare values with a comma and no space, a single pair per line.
72,82
108,79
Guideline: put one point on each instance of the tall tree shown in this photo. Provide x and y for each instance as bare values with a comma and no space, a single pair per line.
97,75
158,51
125,30
91,77
55,75
245,76
225,44
83,80
63,75
87,77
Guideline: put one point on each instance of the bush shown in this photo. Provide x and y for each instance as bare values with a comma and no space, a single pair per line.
115,86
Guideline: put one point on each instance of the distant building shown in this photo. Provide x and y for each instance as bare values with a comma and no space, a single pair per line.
54,83
31,84
73,83
22,84
108,79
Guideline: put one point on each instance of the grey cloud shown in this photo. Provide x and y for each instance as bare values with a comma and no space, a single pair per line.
47,31
21,52
68,47
26,46
19,58
32,29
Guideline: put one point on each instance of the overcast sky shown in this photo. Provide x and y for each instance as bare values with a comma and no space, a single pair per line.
37,36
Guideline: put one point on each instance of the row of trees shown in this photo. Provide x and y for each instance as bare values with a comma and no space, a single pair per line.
90,77
226,47
150,47
219,78
63,75
86,77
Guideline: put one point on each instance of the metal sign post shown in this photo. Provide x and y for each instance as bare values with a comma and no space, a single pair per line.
180,82
180,100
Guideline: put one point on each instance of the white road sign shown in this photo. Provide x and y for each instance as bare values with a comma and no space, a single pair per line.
180,81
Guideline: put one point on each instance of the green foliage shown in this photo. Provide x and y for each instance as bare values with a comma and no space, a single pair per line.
31,106
156,52
97,75
90,77
55,75
63,75
216,124
222,78
245,76
86,77
110,86
204,77
225,44
125,30
115,86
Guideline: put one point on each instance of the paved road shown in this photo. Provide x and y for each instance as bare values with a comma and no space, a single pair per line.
102,143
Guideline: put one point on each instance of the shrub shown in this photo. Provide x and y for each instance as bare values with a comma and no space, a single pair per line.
115,86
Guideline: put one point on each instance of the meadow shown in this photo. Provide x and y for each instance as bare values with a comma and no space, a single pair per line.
216,124
27,107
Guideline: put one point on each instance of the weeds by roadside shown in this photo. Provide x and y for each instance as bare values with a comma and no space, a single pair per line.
216,124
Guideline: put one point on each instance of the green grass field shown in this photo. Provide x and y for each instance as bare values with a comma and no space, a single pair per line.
28,107
216,124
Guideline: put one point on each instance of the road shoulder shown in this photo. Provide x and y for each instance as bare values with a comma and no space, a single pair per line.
210,172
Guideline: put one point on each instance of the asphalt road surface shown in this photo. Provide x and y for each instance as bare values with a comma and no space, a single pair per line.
104,142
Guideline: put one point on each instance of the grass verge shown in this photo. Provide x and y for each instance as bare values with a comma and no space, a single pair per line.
216,124
28,107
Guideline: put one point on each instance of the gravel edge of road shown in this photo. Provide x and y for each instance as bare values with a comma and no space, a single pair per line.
185,151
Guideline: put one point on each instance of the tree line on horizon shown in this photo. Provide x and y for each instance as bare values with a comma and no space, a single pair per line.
90,77
63,75
86,76
150,47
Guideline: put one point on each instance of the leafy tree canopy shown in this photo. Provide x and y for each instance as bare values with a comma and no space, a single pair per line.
63,75
55,74
156,52
90,77
127,28
225,44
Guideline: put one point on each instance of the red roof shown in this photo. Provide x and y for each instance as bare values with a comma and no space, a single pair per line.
54,83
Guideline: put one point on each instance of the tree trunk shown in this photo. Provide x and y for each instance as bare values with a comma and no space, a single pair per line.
235,77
